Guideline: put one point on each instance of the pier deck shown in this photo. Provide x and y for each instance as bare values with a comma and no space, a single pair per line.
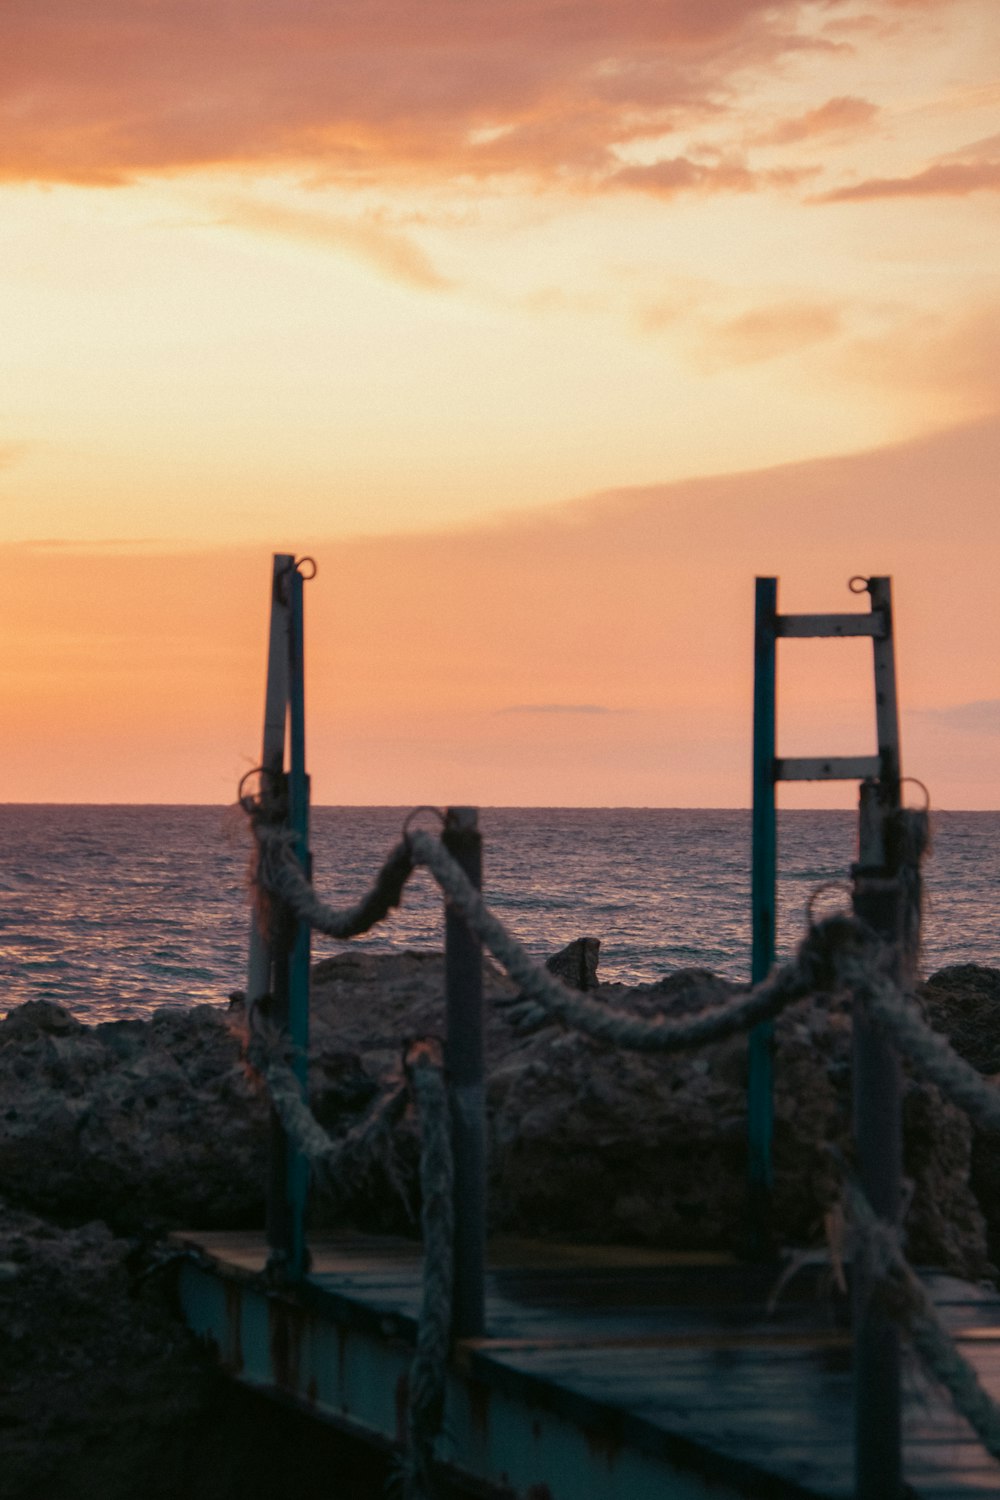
607,1374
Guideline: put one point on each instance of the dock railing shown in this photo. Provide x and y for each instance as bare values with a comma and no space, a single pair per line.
866,954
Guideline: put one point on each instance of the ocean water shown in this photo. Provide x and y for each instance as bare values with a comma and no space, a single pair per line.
115,911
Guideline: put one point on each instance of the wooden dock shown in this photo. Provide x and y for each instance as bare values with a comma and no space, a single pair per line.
574,1374
605,1374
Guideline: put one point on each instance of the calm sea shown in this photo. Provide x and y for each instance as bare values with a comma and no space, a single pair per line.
114,911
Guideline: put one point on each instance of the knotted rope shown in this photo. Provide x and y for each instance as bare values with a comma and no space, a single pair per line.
437,1220
811,971
279,872
908,1300
838,954
931,1052
336,1160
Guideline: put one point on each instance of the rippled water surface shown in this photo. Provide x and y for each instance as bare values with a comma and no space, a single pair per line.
114,911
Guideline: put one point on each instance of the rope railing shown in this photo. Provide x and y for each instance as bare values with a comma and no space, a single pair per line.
437,1220
930,1052
810,972
334,1160
838,954
909,1302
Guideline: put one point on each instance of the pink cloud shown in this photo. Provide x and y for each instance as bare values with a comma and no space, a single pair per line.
679,174
768,332
973,169
946,180
835,116
107,91
366,239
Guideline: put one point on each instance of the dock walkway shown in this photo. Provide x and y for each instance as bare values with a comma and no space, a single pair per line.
552,1374
604,1374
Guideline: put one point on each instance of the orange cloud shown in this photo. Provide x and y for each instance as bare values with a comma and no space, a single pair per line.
679,174
104,92
366,239
954,360
974,169
768,332
946,180
836,115
141,678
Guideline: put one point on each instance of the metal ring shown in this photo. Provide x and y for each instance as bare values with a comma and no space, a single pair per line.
866,584
425,807
827,885
253,771
912,780
249,800
300,563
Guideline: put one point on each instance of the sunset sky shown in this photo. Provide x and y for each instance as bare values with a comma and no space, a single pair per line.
544,326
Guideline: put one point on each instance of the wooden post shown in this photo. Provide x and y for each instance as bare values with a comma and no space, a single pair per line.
279,958
297,1168
464,1065
760,1086
878,1089
272,759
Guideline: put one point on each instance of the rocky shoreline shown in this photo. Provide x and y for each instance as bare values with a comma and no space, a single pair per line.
111,1135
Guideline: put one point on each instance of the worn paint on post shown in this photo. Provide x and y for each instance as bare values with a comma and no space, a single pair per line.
760,1088
464,1065
300,956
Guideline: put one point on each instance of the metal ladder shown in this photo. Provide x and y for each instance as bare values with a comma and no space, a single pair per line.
877,1078
882,769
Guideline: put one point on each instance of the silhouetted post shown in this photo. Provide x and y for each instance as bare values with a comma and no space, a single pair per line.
288,944
760,1085
878,901
272,759
300,936
464,1066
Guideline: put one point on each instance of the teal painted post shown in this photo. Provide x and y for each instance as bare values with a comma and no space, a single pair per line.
463,966
272,760
878,1116
300,957
268,974
760,1100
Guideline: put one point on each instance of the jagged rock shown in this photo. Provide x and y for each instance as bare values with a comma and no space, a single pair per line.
140,1123
576,964
160,1123
105,1393
149,1124
591,1141
963,1001
84,1356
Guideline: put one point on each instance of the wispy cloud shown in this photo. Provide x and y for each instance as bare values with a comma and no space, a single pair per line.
982,716
975,169
680,174
560,708
394,254
955,356
836,116
768,332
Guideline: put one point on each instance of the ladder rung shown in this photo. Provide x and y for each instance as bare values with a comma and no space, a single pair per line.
826,768
872,623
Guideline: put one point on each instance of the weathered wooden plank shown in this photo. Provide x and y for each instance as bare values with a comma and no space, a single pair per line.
680,1356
